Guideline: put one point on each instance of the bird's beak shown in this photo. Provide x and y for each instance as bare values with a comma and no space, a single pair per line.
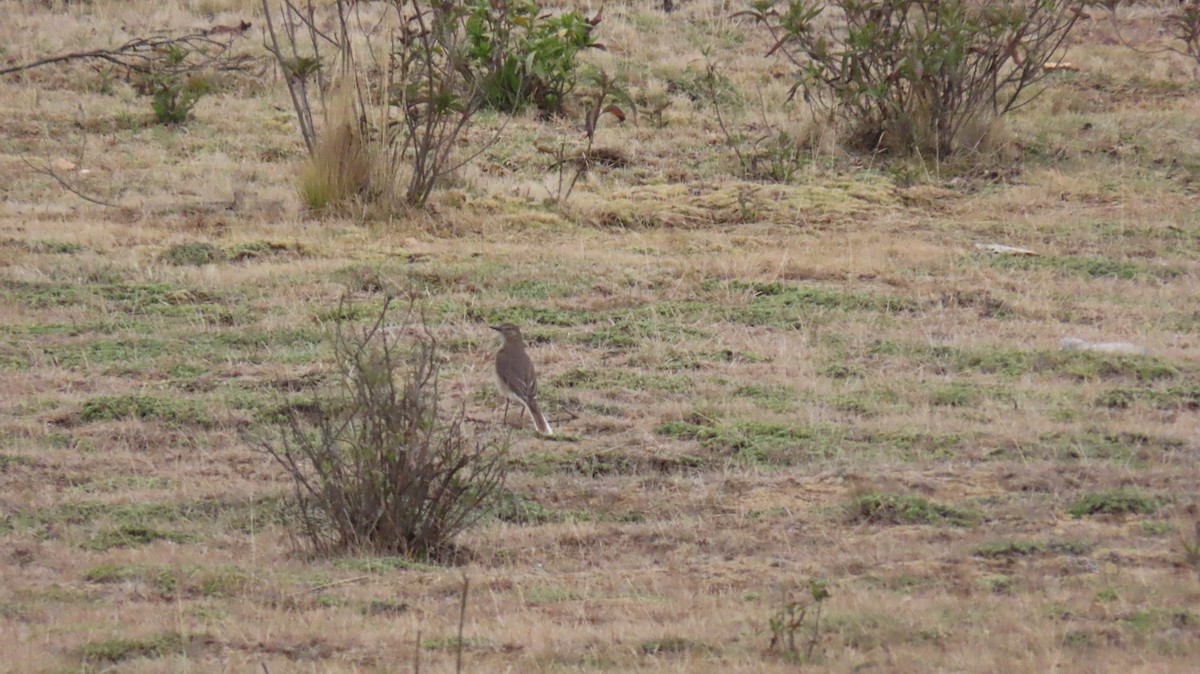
494,328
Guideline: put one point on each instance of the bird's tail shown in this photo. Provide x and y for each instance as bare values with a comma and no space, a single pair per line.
539,419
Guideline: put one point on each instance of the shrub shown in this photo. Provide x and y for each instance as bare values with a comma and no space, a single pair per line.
789,619
924,76
173,84
524,56
379,464
1181,27
388,127
402,125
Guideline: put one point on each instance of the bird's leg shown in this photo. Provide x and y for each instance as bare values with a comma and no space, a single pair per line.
506,401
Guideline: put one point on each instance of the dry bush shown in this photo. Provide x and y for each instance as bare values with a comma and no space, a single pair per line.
380,465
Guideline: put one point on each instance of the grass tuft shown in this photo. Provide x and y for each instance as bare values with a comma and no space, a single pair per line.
132,535
112,651
144,407
881,508
1012,549
193,254
1114,502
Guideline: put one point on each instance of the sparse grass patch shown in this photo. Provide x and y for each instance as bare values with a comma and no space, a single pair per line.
169,581
40,294
378,564
914,443
1114,502
955,394
611,378
1093,267
9,461
840,370
148,298
757,441
1073,364
43,246
384,607
193,254
524,314
1096,444
143,406
517,508
780,304
654,323
129,352
671,645
112,651
774,397
367,278
1156,528
263,250
132,535
113,573
454,643
890,508
229,515
549,594
606,463
1175,397
1011,549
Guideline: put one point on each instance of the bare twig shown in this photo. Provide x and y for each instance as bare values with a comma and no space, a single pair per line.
326,586
48,171
142,54
462,618
710,83
417,653
294,83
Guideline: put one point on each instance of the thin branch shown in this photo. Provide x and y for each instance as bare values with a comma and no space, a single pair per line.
462,618
47,171
136,53
326,586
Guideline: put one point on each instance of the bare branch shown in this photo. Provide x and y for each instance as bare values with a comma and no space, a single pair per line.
141,53
48,171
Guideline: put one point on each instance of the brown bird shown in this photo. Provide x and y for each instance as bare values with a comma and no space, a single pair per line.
515,376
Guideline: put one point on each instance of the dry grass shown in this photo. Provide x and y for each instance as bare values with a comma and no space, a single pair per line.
733,367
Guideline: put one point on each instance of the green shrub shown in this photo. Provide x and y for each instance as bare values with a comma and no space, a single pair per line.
173,85
523,56
923,76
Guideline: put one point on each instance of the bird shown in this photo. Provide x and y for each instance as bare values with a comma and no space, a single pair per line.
515,376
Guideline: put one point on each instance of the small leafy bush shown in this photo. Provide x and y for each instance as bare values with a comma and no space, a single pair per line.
916,76
172,84
379,464
789,619
524,56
